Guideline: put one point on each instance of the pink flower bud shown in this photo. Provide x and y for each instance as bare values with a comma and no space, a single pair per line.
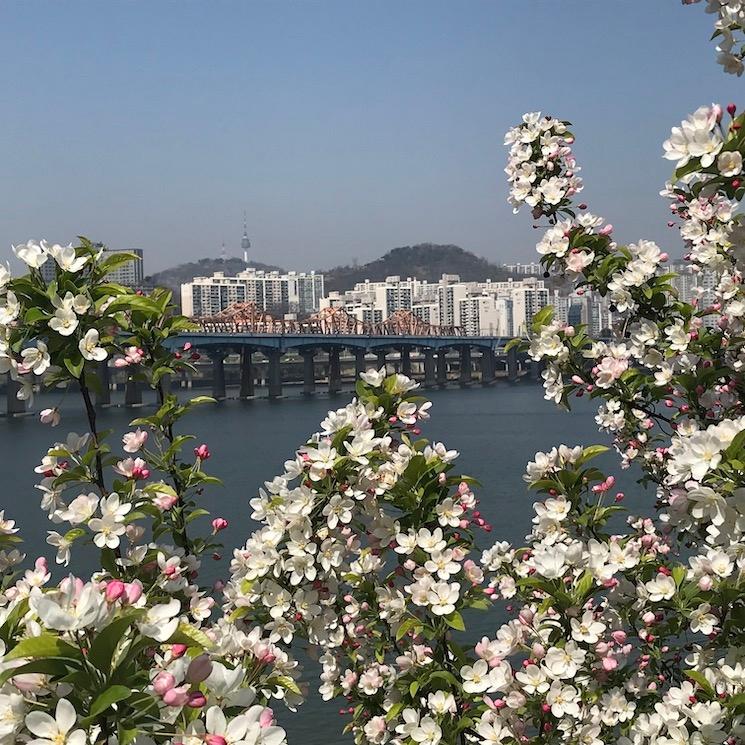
114,590
133,591
202,452
218,524
266,719
215,740
178,650
163,682
196,700
176,696
609,663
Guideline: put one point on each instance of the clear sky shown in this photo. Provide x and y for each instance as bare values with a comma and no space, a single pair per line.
342,128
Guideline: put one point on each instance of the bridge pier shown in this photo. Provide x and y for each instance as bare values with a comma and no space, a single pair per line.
274,380
536,368
247,374
218,374
334,371
132,393
487,367
166,382
360,364
309,371
512,365
406,361
465,366
381,354
103,394
442,368
15,406
430,380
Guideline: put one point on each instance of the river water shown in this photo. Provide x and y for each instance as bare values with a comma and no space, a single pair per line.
496,430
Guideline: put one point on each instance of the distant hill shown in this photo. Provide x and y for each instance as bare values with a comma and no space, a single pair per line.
424,261
174,277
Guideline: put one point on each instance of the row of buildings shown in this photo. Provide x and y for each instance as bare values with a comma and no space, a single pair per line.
503,308
479,308
297,293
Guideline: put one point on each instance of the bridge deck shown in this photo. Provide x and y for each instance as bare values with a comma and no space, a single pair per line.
371,343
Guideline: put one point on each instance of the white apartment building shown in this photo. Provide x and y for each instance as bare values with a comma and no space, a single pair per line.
487,308
699,286
294,292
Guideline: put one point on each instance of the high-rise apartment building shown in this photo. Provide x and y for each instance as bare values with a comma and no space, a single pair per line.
486,308
293,292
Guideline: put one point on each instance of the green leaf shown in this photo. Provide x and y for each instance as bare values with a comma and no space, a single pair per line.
288,683
75,366
35,314
455,621
52,667
542,317
591,452
191,636
405,627
111,695
44,645
106,641
700,678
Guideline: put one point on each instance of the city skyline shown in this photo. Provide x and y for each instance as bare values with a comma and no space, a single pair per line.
343,131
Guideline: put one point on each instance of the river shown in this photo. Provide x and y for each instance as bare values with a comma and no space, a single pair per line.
496,430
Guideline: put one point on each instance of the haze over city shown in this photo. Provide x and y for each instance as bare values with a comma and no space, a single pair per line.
342,129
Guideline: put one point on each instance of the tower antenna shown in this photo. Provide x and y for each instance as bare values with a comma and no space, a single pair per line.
245,242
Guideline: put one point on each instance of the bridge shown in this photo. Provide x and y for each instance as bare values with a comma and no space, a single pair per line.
337,341
328,345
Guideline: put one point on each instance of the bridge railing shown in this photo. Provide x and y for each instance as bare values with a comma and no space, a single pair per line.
285,327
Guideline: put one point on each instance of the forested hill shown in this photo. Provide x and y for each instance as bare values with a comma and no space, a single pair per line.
174,277
424,261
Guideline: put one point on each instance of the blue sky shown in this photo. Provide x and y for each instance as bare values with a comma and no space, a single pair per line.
342,128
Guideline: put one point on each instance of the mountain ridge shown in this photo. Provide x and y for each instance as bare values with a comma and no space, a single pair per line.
425,261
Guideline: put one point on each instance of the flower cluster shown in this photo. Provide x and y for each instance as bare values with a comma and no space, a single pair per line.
132,653
729,31
541,170
366,553
633,635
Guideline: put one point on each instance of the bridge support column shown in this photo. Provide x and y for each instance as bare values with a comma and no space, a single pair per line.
487,367
15,405
103,395
536,368
274,378
442,368
465,367
406,361
512,365
334,371
247,374
132,393
309,372
382,354
218,374
360,364
430,380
